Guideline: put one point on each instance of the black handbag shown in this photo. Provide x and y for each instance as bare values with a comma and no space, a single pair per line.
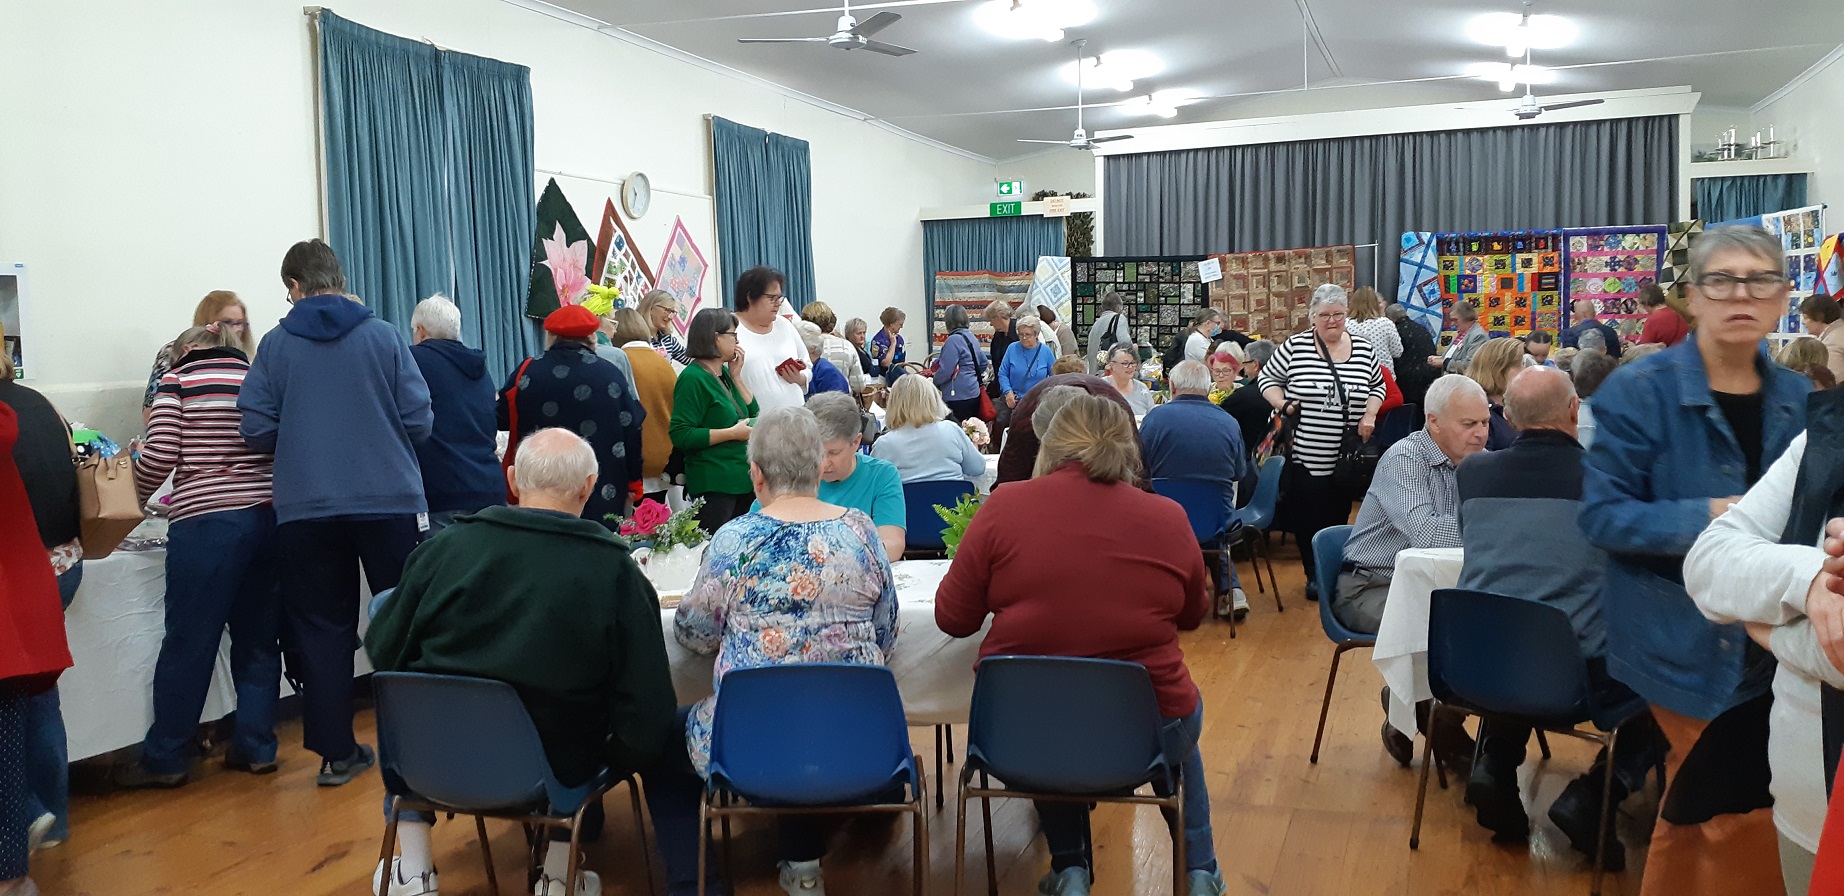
1357,458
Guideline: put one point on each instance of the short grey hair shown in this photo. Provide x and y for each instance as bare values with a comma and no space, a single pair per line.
553,461
838,416
955,318
1029,320
1591,340
1261,351
1000,309
1190,376
1395,311
1329,294
1442,392
438,317
1466,311
1111,302
856,324
1749,238
1050,403
810,336
1538,398
786,449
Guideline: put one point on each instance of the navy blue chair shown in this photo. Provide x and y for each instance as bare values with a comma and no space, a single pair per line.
466,746
1258,519
1209,508
812,738
1400,423
1328,556
1066,729
923,527
1489,654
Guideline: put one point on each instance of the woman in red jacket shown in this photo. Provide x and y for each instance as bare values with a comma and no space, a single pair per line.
32,652
1110,597
1664,325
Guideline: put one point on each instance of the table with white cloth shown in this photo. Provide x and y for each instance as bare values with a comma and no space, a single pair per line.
1402,637
115,626
983,483
934,672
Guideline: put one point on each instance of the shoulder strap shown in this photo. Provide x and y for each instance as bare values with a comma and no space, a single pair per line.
1338,382
973,348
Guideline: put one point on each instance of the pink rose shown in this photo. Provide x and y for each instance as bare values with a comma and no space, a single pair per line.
650,515
627,528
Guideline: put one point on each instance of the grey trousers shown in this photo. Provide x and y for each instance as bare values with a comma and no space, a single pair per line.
1358,601
1795,867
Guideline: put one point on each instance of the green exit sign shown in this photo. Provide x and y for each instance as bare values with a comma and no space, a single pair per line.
1006,210
1011,189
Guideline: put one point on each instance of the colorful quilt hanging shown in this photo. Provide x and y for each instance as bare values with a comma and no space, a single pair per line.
1161,295
1418,282
1267,293
1609,266
1514,279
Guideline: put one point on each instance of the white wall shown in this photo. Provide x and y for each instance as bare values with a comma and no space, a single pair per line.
181,160
1061,169
1808,116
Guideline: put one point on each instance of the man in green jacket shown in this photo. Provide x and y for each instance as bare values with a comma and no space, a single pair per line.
536,596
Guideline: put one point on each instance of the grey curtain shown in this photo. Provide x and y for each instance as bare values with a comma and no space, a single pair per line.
1000,245
1729,198
1373,189
764,207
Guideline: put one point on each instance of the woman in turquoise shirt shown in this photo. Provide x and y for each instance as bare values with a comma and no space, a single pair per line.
1026,361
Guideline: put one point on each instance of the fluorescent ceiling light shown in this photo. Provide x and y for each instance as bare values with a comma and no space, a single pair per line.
1163,103
1510,76
1115,70
1516,34
1027,19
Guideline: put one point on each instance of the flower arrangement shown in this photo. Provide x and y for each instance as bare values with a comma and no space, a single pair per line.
1218,394
957,517
656,526
976,431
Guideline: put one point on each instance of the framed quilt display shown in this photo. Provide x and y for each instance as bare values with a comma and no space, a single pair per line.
1609,266
617,260
1161,295
1513,278
1266,294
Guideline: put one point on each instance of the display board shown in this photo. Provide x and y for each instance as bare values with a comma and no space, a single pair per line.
1801,232
974,290
1267,293
1608,266
1513,278
1161,295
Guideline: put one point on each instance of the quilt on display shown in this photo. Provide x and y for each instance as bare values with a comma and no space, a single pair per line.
619,261
1674,274
1513,278
1161,295
1418,281
974,290
1802,233
559,227
1050,286
681,272
1609,266
1267,293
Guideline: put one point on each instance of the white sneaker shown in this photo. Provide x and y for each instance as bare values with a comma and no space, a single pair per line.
1241,601
423,884
38,834
588,883
802,879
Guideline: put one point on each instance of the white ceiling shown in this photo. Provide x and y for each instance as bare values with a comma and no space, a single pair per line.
970,89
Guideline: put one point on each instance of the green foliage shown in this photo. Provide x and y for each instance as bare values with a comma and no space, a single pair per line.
681,529
957,518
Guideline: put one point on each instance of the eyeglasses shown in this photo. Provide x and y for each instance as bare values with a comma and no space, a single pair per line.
1723,287
1329,315
773,295
725,333
1126,363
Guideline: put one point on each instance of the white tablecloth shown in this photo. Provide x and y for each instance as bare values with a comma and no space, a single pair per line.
1402,637
983,482
115,626
933,671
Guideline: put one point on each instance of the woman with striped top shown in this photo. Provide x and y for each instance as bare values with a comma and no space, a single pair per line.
221,563
1302,382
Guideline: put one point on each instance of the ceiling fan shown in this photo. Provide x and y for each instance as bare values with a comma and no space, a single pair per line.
1081,140
1530,108
850,35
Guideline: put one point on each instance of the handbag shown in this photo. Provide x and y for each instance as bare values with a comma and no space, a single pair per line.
108,504
986,412
1357,459
512,419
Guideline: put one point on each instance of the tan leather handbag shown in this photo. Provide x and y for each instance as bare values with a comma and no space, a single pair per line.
109,507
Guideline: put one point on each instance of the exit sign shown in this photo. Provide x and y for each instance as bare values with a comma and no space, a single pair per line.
1005,210
1011,189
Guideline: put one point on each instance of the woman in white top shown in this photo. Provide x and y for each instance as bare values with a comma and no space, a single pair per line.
1204,328
767,342
1123,363
923,445
1367,320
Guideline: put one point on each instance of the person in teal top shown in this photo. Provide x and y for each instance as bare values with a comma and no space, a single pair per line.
854,480
1026,361
712,413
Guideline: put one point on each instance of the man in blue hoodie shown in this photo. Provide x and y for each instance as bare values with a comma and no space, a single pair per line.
335,395
461,472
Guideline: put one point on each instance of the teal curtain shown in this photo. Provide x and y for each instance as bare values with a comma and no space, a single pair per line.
429,168
1000,245
1729,198
764,206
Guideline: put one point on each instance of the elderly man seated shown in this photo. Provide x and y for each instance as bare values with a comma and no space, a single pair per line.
552,604
1518,510
1190,438
858,481
1413,503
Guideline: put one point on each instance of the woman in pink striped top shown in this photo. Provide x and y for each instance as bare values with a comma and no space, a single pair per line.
221,563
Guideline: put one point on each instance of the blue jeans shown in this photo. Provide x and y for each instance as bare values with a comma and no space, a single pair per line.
47,748
1066,828
220,571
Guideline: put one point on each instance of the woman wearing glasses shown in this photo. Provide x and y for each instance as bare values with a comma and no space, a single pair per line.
220,306
712,413
1123,363
777,368
1679,435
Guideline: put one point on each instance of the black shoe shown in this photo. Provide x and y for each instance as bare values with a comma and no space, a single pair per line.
1398,745
1453,747
1312,591
1496,804
135,776
239,764
1241,613
1577,812
333,774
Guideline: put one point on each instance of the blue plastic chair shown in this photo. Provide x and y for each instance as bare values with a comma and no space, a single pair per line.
811,738
1258,518
1328,557
923,526
1213,519
1489,654
1066,729
467,746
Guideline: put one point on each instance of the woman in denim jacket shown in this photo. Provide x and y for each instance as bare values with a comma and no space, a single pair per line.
1679,436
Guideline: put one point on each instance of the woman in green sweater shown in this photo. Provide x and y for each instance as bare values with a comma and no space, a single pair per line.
712,412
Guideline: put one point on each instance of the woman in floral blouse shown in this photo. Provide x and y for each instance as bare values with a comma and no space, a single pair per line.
799,581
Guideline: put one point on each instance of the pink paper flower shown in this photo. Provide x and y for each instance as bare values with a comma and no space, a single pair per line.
567,261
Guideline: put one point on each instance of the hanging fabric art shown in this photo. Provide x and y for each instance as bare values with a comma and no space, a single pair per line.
1609,266
618,261
681,272
1801,232
1514,279
1267,293
974,290
558,227
1418,281
1830,269
1161,295
1050,285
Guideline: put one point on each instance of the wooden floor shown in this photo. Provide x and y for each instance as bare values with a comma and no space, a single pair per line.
1283,826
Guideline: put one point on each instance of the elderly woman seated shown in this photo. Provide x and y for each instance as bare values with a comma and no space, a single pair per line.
920,441
798,581
1107,596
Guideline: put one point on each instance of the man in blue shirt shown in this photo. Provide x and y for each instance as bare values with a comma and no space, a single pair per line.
1190,438
1587,317
858,481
